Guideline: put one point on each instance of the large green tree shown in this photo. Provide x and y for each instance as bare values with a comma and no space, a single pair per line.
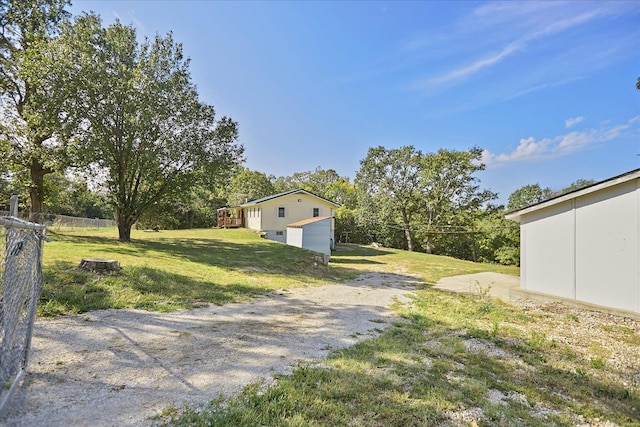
451,193
135,116
317,181
248,184
26,27
525,196
392,178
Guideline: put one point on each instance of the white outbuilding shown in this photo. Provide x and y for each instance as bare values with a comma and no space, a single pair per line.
313,234
584,245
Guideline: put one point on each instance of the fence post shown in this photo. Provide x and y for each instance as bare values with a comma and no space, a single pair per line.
13,206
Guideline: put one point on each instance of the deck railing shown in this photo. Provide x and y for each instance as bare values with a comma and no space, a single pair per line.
230,222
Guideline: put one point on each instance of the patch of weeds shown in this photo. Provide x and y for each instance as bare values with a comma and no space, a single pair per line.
495,326
569,354
377,321
59,362
581,372
537,340
573,317
482,294
596,363
486,307
169,411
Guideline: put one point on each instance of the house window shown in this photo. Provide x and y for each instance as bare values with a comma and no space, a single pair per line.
280,212
316,212
279,233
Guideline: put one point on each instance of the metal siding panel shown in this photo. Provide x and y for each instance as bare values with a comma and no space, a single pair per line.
548,250
294,237
607,248
316,237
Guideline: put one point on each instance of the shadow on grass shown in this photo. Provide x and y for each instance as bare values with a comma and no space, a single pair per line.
263,256
344,260
70,290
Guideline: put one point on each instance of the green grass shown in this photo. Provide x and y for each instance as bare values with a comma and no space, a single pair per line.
429,268
448,354
169,270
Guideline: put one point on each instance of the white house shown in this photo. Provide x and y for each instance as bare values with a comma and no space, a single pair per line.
585,245
313,234
273,214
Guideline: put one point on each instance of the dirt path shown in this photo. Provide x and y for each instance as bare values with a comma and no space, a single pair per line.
121,367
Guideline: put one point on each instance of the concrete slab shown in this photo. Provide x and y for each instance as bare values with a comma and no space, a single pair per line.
498,284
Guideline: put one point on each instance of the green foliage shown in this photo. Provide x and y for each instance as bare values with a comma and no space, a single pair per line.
28,131
145,130
525,196
390,180
70,195
317,181
429,202
247,185
452,196
576,185
347,227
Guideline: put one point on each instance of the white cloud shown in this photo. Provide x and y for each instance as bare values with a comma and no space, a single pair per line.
529,149
573,121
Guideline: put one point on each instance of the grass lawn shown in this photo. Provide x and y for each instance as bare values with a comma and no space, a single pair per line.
449,360
168,270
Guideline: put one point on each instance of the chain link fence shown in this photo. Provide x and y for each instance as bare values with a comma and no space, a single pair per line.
54,222
20,287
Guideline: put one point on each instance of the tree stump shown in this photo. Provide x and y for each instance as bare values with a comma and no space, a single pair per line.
96,264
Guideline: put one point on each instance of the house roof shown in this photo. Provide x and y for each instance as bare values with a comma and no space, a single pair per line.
286,193
304,222
628,176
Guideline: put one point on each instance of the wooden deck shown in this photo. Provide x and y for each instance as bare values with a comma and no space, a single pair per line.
230,222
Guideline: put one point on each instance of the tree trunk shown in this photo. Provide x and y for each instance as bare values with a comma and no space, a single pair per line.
125,223
124,231
36,191
429,245
407,231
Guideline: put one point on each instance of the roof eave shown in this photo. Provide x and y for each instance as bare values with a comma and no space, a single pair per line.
629,176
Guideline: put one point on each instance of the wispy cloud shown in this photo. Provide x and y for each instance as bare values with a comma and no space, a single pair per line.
498,31
530,149
573,121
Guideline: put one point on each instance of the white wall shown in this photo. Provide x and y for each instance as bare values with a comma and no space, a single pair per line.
314,236
586,248
294,236
252,218
607,250
547,240
317,238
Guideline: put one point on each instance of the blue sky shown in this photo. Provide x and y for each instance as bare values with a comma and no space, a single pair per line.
546,88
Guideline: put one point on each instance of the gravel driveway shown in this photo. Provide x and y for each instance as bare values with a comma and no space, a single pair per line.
121,367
